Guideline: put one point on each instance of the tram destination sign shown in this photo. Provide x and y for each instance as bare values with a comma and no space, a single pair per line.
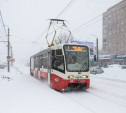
76,48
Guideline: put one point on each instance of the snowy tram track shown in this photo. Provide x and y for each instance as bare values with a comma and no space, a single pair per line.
109,93
108,99
88,100
108,89
79,103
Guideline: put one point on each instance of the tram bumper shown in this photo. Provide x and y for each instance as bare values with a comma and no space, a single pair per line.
79,84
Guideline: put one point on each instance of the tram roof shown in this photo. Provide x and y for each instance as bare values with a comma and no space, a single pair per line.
52,47
39,53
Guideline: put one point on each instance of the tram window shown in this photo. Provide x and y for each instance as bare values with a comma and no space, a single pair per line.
53,53
45,55
59,52
58,63
40,61
32,62
44,63
36,62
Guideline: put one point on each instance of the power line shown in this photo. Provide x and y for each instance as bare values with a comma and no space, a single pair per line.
86,23
40,35
96,1
68,5
34,42
3,24
3,28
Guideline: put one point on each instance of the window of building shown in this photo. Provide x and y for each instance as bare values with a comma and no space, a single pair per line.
122,28
104,40
118,11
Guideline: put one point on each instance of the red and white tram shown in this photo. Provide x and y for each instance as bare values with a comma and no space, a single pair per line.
63,66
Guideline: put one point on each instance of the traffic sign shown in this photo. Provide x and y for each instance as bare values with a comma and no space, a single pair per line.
11,59
8,57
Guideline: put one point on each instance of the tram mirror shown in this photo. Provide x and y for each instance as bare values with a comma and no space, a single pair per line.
95,58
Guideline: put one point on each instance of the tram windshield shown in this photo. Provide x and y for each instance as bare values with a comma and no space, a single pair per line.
77,58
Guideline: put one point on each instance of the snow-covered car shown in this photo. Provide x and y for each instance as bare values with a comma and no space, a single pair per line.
2,66
123,67
96,70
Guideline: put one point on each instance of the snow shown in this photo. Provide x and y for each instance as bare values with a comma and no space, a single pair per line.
114,72
22,93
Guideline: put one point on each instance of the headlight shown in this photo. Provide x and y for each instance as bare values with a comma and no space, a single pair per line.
84,76
71,76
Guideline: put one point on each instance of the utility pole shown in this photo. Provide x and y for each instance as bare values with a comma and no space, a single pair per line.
97,54
97,50
8,50
11,56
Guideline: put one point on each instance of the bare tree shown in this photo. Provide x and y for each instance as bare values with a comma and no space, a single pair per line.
63,38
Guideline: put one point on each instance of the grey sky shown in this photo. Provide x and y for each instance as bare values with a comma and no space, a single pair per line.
28,19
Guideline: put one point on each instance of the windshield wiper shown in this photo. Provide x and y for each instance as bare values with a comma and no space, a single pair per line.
81,68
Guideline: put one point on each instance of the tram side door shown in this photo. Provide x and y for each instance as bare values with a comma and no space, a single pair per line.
49,67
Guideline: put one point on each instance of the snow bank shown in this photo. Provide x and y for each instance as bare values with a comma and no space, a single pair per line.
113,72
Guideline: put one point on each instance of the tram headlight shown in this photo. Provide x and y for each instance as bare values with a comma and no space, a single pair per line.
84,76
71,76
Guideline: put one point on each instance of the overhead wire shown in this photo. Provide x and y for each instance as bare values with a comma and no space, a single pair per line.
84,24
40,35
3,33
3,23
79,27
35,41
88,26
37,38
96,1
68,5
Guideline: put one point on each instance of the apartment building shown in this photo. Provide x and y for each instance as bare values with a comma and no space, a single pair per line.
114,30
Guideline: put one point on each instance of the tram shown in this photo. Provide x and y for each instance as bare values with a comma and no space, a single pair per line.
65,66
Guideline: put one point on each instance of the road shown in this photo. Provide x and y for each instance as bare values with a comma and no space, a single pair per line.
104,96
23,93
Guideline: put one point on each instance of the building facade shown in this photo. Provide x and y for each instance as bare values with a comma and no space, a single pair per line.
114,30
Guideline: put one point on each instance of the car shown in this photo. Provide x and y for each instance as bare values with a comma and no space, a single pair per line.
96,70
2,66
123,66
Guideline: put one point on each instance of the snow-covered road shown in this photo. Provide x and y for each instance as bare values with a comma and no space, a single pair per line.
25,94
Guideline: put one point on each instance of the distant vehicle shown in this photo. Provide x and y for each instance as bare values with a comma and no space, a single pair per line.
105,66
123,66
2,66
96,70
